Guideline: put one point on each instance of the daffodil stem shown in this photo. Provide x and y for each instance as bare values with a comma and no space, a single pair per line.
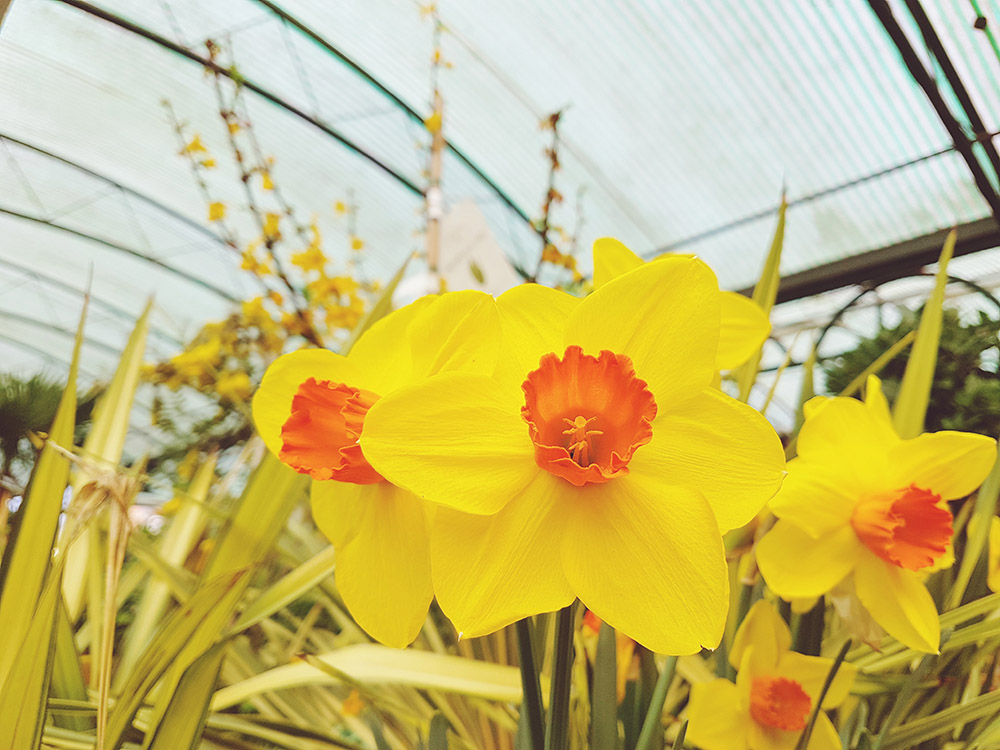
531,704
557,731
654,716
604,699
803,742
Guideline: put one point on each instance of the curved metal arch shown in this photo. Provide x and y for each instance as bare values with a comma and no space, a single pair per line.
122,248
413,114
107,348
49,356
118,312
187,221
152,36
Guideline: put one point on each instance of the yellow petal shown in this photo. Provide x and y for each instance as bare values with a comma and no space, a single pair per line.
816,496
721,446
272,403
383,560
382,351
457,331
490,571
456,439
811,673
796,565
647,558
763,629
899,602
763,737
801,605
611,260
951,464
744,329
665,316
716,720
843,432
532,318
824,736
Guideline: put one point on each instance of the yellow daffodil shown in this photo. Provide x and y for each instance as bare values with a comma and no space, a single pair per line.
596,463
775,691
861,500
311,411
744,326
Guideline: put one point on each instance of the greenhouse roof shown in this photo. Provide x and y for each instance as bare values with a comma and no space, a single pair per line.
682,124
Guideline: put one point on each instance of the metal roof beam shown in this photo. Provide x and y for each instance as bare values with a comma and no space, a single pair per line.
209,234
926,82
324,43
26,320
184,52
934,43
118,312
886,264
122,248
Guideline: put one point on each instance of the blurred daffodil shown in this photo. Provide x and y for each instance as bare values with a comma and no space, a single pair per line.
775,691
596,463
311,412
861,500
744,326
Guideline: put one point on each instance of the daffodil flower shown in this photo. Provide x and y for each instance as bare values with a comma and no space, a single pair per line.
860,500
744,326
310,410
597,462
776,690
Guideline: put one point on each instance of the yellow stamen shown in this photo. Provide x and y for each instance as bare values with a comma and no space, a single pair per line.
579,447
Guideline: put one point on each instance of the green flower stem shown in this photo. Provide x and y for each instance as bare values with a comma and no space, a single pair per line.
654,717
557,731
531,704
604,701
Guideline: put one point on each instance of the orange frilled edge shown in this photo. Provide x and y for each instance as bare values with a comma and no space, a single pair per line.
321,436
780,703
587,415
910,527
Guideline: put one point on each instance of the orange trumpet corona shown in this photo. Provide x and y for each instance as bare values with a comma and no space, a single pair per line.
909,527
321,436
780,703
586,415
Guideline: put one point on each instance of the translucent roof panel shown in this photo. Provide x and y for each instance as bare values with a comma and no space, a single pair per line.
682,124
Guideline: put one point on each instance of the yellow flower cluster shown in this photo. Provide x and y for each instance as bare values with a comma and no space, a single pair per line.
509,455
